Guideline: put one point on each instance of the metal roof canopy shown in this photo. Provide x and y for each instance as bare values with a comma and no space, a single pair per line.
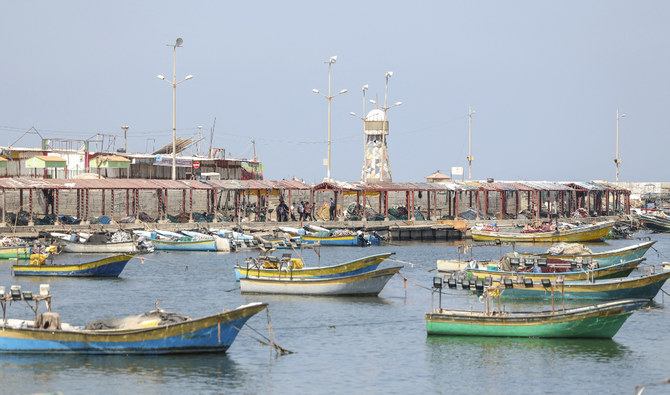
258,185
132,183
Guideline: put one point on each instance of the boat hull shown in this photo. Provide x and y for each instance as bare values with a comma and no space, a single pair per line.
214,333
655,223
370,284
611,257
358,266
596,321
645,287
126,247
107,267
15,252
351,241
614,271
196,245
596,232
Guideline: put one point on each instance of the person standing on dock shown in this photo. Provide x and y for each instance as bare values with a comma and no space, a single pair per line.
332,209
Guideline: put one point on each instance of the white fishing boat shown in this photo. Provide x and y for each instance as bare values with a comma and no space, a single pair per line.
369,284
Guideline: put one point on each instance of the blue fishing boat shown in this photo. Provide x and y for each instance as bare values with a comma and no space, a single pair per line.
107,267
156,332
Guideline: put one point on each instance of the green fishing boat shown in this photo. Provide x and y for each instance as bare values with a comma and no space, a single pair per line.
642,287
601,321
596,321
15,252
570,272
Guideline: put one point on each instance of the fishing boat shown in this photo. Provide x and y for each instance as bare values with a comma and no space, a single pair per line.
642,287
655,220
356,239
539,270
595,321
155,332
604,258
222,244
170,241
15,252
594,232
107,267
365,284
100,243
275,268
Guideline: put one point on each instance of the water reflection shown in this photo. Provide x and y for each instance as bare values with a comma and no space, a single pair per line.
600,350
206,369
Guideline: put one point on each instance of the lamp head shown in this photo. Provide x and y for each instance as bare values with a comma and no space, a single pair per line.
353,114
365,87
373,101
399,103
343,91
315,91
125,127
332,59
389,74
179,42
160,77
188,77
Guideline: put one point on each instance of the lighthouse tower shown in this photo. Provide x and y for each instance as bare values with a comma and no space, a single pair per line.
376,165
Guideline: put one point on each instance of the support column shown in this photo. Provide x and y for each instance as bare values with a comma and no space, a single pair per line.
30,207
456,204
103,201
190,210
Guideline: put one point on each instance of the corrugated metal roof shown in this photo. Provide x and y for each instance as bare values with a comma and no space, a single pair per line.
258,184
109,183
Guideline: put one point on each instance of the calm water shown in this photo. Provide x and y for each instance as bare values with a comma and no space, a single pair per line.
352,345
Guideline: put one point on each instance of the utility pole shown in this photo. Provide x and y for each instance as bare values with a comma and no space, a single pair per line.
470,158
617,160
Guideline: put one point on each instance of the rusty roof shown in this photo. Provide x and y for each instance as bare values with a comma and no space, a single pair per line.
109,183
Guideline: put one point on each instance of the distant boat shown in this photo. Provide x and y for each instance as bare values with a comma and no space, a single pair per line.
595,232
107,267
85,243
15,252
171,241
149,333
596,321
281,269
643,287
609,257
614,271
365,284
654,220
603,258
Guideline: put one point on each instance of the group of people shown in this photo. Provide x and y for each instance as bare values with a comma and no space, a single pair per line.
304,209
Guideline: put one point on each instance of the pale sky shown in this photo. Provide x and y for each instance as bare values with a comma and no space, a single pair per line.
545,79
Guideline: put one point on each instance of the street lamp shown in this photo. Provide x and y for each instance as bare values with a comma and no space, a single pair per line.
174,84
470,158
329,97
617,160
125,129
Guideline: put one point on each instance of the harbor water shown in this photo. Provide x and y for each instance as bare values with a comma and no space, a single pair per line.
340,344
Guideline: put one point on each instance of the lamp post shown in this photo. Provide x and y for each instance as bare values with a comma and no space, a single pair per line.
470,158
199,138
125,129
329,97
174,84
617,160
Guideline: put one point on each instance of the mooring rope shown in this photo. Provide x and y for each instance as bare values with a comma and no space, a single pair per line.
268,341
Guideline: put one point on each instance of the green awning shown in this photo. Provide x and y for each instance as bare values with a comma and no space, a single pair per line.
109,162
42,162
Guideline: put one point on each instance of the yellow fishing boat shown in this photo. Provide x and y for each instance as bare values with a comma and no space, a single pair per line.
594,232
